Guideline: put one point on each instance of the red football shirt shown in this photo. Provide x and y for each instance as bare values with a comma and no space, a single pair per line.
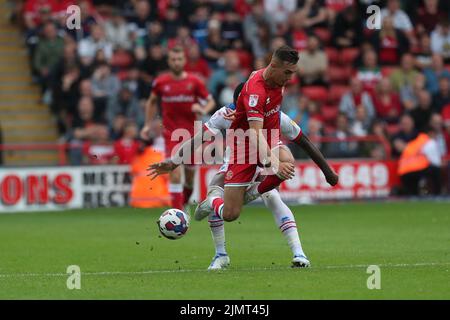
177,97
258,102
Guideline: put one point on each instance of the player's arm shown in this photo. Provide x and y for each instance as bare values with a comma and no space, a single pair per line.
168,165
293,132
151,108
314,153
206,102
285,170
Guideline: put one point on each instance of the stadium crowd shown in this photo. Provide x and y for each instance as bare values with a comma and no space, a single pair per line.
389,83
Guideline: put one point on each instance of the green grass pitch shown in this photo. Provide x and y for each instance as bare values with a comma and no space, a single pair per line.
121,255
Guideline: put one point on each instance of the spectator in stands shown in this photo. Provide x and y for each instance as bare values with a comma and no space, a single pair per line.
99,149
377,150
390,43
219,77
437,125
154,37
314,12
409,95
261,42
440,39
291,96
89,47
407,132
315,131
35,11
313,64
199,25
215,47
406,75
356,99
127,147
279,11
172,24
196,63
105,85
360,126
420,165
142,17
400,19
442,97
65,96
387,102
347,30
117,32
231,27
298,35
422,113
342,148
154,64
182,39
436,71
369,73
82,128
48,53
125,104
446,120
424,54
226,94
253,19
428,16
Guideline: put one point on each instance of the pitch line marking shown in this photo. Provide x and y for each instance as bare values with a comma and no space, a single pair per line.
112,273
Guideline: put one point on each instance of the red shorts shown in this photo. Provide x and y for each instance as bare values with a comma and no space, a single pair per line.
240,175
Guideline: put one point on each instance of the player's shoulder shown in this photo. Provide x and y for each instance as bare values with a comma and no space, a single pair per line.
162,77
190,76
255,83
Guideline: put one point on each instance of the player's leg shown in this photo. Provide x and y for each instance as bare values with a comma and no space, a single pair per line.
189,175
216,224
176,189
285,221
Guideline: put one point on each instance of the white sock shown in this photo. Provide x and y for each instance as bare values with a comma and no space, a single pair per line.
285,220
217,232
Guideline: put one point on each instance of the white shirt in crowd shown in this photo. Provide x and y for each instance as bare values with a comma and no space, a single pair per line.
400,19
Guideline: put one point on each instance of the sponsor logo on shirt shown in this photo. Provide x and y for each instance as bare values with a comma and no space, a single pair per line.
273,111
179,98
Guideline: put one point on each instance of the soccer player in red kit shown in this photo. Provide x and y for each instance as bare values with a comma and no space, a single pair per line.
183,97
258,114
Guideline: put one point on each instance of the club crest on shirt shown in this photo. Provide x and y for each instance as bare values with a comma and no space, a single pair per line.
253,100
229,175
166,88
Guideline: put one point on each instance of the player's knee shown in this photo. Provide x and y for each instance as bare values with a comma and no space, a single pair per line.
231,214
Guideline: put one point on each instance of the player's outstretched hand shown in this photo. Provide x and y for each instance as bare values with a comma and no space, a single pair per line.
286,170
332,178
159,168
229,114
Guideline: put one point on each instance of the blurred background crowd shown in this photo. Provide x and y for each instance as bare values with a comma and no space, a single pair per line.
388,84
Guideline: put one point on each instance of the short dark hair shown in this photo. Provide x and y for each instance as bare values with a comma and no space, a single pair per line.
237,91
176,49
286,54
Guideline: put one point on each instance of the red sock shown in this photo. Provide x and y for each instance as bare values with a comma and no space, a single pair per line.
269,183
218,207
177,200
187,194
